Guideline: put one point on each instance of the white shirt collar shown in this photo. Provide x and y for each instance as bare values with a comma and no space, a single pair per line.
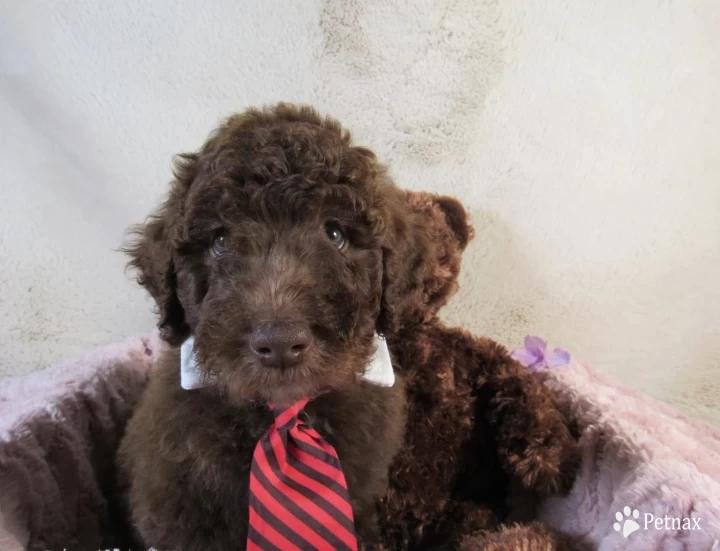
379,371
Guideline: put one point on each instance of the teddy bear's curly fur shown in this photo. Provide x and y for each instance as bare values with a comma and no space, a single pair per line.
477,421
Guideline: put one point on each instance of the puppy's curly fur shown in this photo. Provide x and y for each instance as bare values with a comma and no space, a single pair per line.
278,219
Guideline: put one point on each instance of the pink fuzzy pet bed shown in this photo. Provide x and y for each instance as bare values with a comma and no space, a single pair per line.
649,480
650,476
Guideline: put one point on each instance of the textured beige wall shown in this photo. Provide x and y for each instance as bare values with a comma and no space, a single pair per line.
582,136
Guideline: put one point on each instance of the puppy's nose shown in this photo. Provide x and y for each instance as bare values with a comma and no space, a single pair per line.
281,344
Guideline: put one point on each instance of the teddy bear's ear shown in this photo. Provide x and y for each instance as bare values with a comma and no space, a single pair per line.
456,218
448,223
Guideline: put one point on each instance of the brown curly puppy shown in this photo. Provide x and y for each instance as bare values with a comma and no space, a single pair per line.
282,248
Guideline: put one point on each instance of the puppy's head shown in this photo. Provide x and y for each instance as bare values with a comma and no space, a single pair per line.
282,248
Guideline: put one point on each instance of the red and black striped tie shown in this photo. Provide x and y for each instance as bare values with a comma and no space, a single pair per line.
298,494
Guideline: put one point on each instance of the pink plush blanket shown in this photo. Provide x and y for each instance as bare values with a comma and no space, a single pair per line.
650,477
59,429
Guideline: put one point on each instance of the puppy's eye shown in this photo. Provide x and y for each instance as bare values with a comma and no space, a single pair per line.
220,245
335,235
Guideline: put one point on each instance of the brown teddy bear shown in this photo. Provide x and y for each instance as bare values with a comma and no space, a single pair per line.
477,421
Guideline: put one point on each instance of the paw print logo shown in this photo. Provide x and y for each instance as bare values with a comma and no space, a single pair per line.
625,522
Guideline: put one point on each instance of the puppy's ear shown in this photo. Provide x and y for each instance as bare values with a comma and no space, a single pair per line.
151,250
408,259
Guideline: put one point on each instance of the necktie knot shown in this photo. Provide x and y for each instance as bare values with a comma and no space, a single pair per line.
286,417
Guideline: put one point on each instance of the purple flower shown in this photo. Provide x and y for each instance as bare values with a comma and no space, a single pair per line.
534,354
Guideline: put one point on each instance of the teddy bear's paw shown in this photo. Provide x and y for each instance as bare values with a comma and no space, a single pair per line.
548,467
530,537
472,517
